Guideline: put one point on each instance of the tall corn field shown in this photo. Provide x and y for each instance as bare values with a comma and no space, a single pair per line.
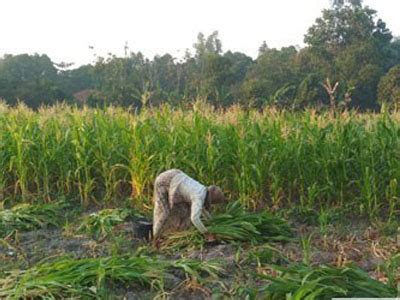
270,158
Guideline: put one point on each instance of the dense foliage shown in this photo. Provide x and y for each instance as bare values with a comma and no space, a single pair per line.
347,45
279,158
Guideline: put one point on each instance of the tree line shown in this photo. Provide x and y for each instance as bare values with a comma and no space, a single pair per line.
350,59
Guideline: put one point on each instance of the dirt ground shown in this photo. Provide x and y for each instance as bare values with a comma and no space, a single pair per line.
364,245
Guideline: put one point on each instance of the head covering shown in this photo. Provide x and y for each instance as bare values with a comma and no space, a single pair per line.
215,195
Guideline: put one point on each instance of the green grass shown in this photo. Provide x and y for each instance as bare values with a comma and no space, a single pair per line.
325,282
90,277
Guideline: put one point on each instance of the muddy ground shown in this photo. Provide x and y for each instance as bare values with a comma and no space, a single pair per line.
365,245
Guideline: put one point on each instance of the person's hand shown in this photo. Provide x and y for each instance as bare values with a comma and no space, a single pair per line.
206,214
209,237
157,243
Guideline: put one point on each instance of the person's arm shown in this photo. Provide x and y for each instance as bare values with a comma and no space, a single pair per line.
206,214
196,210
160,217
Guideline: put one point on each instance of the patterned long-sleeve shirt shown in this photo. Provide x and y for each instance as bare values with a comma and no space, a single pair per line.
173,187
185,188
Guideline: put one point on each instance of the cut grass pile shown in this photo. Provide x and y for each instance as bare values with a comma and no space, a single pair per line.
325,282
89,277
236,224
26,217
100,224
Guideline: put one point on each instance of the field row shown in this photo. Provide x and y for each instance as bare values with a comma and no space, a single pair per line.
273,158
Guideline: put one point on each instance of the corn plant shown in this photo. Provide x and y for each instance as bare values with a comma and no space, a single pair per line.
263,158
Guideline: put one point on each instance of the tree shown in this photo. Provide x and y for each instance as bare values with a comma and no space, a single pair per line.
121,81
164,80
394,55
29,78
351,47
389,88
239,66
341,3
263,48
211,44
310,92
76,80
273,70
212,75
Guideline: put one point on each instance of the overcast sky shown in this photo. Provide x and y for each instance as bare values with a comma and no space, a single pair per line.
64,29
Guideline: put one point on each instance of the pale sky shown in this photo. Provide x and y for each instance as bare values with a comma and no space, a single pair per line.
64,29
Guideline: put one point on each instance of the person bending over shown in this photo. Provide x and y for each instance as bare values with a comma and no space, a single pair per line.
180,200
